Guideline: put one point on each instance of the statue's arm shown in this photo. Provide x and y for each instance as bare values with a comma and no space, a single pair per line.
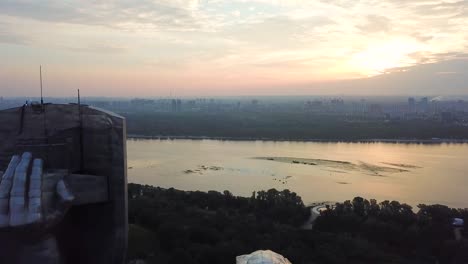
24,221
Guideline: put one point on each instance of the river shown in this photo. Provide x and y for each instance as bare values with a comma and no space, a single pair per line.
411,173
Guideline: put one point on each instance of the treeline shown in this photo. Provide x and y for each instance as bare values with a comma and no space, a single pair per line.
212,227
171,226
427,235
286,126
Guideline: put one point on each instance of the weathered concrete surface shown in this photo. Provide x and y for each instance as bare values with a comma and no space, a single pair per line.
457,231
262,257
89,142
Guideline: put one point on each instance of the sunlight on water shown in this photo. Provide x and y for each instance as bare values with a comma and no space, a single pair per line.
411,173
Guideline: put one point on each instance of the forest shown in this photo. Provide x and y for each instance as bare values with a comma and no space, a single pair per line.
172,226
287,126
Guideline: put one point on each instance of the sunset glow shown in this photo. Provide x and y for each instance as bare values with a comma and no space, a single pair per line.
212,47
382,57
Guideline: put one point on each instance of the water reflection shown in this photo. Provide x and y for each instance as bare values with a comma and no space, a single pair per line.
412,173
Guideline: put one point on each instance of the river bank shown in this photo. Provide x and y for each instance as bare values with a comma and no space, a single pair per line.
393,141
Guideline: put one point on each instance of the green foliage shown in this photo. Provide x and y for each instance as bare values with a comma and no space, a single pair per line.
172,226
426,235
142,242
300,126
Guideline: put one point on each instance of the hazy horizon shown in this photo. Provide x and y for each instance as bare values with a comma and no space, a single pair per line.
190,48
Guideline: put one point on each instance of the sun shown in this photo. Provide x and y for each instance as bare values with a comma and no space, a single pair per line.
381,57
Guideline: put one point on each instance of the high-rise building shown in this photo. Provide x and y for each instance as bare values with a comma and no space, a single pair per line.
411,104
179,105
174,105
424,105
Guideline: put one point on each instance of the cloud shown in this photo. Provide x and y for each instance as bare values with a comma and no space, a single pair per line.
99,49
427,58
376,23
446,77
9,36
289,41
441,9
426,79
421,37
279,31
123,14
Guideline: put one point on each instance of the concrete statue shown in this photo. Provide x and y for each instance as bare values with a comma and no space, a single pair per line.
28,212
262,257
63,196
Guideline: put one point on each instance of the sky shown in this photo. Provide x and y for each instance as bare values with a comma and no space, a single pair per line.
126,48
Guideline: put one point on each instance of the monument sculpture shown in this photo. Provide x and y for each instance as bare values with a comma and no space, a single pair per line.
262,257
63,195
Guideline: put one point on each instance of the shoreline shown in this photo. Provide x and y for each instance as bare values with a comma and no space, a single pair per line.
391,141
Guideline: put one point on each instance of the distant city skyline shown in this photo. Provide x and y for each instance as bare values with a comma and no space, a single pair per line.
234,48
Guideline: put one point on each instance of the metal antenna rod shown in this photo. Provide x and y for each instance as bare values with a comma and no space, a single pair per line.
40,76
80,116
44,120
